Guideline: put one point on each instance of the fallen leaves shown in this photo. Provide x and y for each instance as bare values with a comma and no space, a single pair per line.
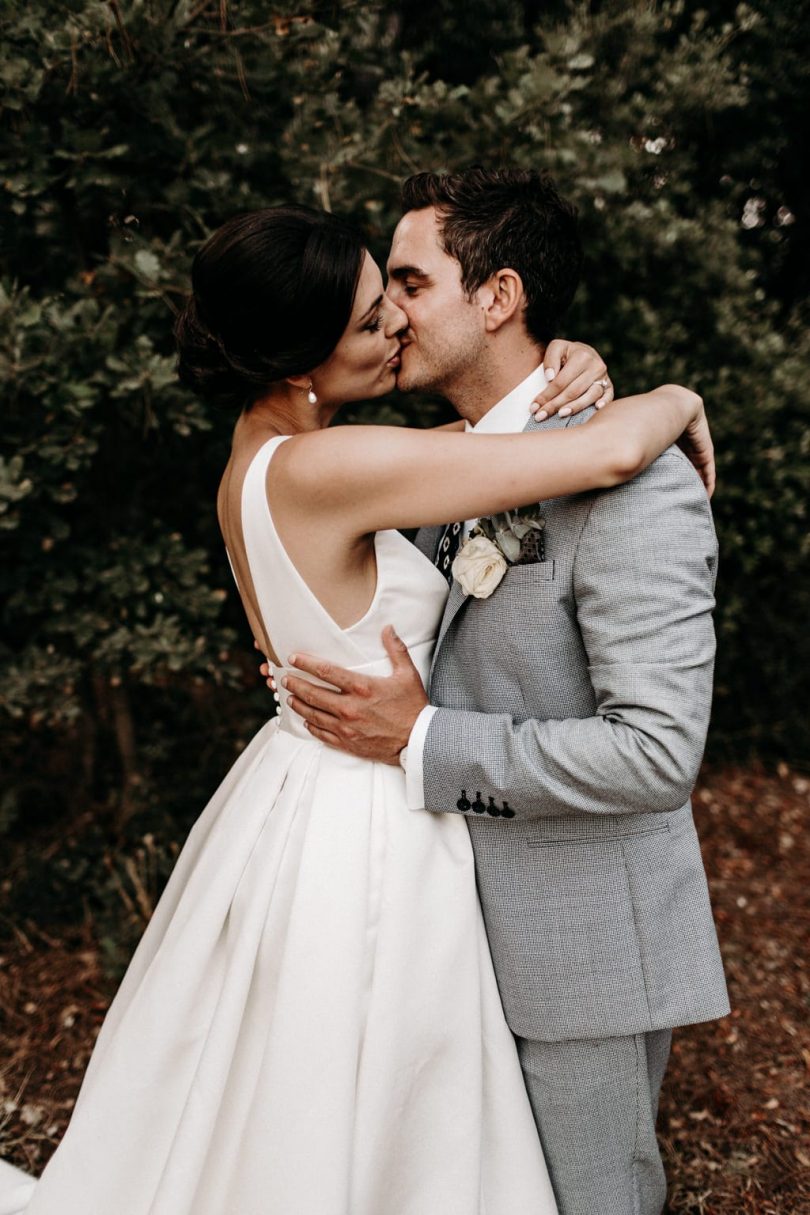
735,1093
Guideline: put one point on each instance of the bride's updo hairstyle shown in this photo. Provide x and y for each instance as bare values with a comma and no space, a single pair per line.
272,293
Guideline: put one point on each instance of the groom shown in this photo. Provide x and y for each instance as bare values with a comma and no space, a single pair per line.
568,705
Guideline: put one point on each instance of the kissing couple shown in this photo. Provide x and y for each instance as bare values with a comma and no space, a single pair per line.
423,951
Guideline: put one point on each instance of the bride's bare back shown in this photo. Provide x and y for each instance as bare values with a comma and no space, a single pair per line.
338,568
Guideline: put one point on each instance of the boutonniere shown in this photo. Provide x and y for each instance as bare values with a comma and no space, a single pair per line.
513,538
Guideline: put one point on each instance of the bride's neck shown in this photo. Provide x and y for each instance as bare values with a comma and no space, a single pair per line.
285,410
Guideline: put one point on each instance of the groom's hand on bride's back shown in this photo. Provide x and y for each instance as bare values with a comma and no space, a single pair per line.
578,377
367,716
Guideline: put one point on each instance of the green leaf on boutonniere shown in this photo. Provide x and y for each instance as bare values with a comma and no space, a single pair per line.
509,529
509,544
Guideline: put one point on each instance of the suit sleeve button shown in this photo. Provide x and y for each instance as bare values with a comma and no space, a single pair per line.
463,803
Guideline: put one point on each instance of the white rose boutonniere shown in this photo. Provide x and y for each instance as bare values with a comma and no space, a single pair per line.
496,542
479,567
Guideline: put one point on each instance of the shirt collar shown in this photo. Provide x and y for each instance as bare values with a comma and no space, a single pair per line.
511,414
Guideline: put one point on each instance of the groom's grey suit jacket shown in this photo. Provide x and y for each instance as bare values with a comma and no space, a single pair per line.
579,693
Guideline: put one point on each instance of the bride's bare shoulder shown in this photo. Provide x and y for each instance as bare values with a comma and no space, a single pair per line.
314,461
338,451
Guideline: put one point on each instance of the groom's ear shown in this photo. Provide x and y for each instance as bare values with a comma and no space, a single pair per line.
501,296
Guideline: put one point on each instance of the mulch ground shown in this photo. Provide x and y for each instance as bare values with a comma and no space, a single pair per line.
734,1123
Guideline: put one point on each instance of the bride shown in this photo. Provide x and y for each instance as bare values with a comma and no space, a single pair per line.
310,1024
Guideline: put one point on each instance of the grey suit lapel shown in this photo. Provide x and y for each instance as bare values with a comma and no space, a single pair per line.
457,599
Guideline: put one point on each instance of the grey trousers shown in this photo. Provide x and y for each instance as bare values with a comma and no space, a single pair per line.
595,1103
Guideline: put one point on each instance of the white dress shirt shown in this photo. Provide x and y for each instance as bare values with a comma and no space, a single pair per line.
508,417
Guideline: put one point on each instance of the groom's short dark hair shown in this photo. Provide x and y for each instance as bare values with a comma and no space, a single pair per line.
494,219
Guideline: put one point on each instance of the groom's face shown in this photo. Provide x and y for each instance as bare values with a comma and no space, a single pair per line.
445,333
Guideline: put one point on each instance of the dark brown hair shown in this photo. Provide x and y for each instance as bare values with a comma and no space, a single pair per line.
272,293
496,219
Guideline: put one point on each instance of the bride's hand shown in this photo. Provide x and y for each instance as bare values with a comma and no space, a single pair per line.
696,441
579,378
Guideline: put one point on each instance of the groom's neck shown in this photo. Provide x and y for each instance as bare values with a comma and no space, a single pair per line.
492,377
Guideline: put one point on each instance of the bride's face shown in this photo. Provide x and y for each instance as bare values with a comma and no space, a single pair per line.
366,359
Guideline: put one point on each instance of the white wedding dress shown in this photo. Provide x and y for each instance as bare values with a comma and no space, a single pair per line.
310,1024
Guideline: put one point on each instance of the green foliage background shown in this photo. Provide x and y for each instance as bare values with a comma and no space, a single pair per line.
129,130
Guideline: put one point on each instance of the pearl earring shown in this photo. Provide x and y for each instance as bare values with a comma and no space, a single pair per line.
313,400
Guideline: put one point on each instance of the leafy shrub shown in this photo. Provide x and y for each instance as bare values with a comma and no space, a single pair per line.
129,131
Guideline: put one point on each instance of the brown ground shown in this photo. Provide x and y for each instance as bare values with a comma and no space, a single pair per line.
735,1123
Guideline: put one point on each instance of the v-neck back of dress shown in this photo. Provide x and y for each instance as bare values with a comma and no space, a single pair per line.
410,593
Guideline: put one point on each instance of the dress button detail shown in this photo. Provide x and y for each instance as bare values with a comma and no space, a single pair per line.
463,803
478,806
